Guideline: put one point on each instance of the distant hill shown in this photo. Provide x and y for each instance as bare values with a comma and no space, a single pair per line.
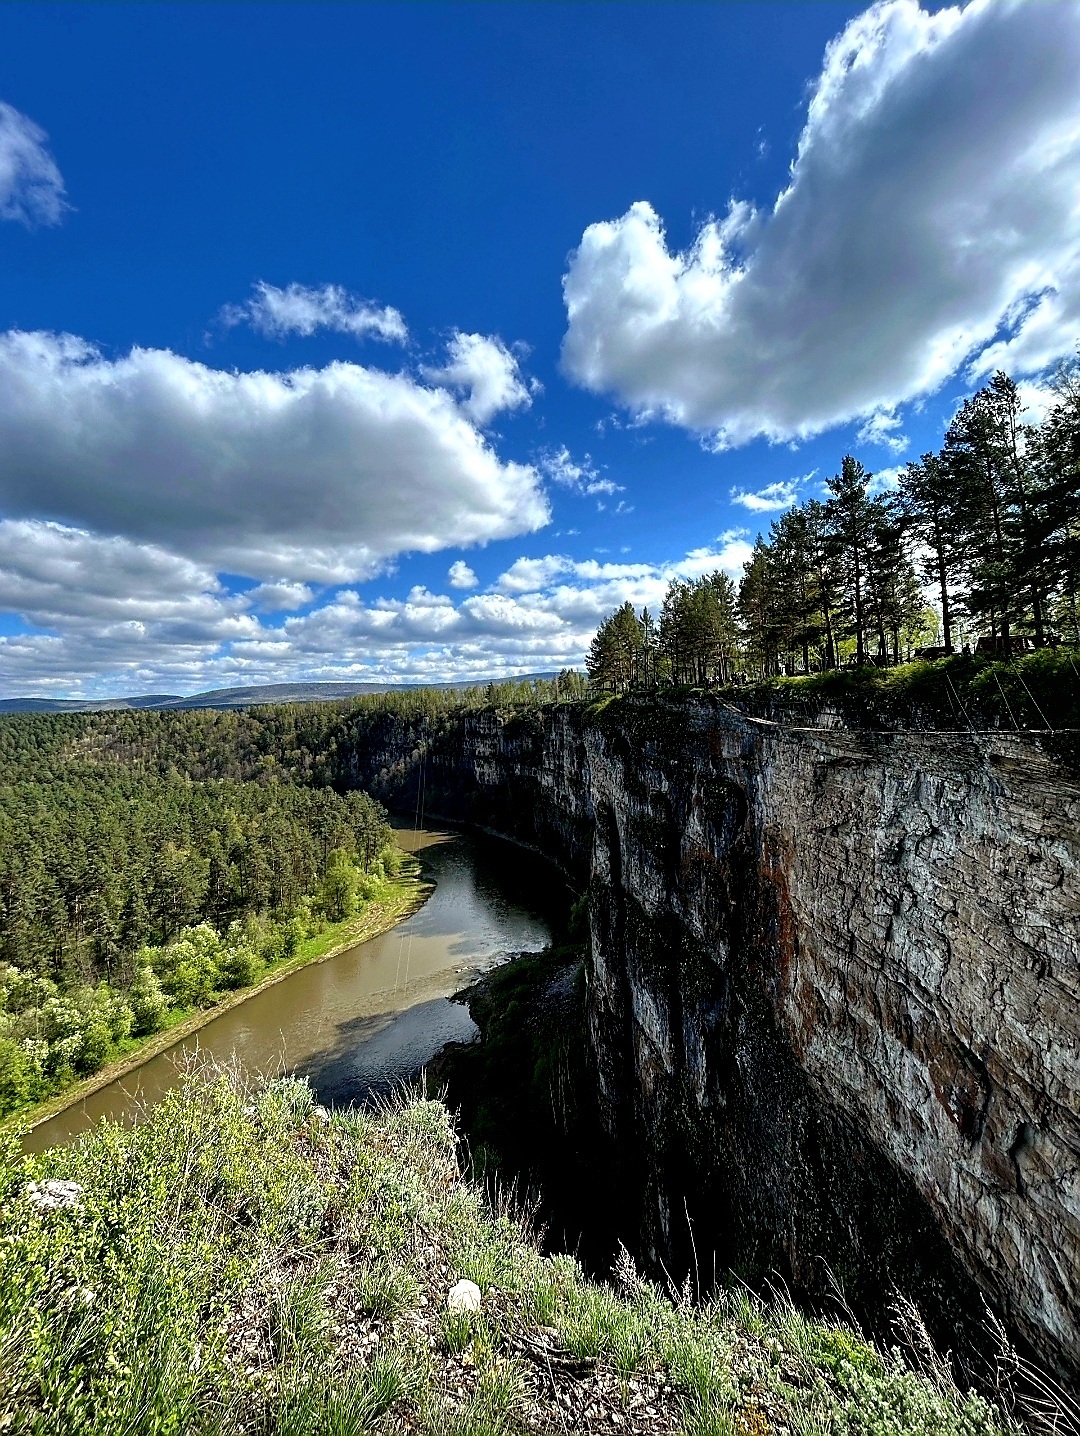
239,697
89,705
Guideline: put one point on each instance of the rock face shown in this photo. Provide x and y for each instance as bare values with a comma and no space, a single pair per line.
834,995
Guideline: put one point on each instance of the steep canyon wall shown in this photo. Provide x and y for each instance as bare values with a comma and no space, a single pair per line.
834,987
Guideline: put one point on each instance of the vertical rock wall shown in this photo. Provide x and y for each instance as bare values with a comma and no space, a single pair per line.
834,993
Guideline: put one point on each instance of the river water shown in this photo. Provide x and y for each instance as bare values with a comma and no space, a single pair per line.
373,1015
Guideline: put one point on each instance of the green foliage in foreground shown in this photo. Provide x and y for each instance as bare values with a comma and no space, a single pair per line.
244,1262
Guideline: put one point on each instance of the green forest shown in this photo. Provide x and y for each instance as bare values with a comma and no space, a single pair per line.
135,888
989,526
152,862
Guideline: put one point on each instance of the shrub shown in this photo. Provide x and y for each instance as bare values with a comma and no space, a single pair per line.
188,968
239,966
96,1045
18,1079
293,937
338,889
148,1003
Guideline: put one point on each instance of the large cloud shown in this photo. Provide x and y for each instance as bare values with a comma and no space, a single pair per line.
109,610
933,207
539,613
51,574
317,474
31,189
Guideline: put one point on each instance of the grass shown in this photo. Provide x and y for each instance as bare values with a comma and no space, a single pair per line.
1038,691
242,1261
397,899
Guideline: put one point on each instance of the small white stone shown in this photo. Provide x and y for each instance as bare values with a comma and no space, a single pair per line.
52,1194
464,1296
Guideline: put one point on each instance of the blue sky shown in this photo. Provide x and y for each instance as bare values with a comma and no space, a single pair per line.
405,341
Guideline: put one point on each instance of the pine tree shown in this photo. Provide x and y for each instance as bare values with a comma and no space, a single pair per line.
826,577
895,602
850,520
796,587
999,496
928,508
1055,454
648,648
757,611
615,655
698,635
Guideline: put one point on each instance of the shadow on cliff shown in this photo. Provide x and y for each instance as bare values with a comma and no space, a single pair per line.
524,1096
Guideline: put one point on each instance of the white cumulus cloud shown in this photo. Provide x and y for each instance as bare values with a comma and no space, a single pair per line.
529,575
105,609
461,575
281,597
52,573
770,499
485,370
931,222
298,309
31,188
117,617
533,575
317,475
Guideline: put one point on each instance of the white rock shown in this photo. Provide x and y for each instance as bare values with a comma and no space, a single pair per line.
52,1194
464,1296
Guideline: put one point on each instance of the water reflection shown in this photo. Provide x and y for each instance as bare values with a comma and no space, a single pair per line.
376,1013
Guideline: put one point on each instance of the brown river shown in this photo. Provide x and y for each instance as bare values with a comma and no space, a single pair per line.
373,1015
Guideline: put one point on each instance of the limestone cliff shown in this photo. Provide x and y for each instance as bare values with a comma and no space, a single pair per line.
834,987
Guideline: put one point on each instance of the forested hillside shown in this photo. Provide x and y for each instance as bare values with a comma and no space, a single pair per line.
150,862
136,884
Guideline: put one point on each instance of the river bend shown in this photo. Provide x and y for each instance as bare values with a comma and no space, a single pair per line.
373,1015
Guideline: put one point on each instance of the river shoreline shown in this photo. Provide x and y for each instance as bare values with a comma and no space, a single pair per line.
409,892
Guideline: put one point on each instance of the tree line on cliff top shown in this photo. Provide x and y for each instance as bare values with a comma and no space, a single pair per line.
989,525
